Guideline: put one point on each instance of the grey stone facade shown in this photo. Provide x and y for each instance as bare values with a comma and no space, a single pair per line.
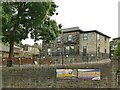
75,45
113,45
45,77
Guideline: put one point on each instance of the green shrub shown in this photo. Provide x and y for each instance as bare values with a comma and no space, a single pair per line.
117,50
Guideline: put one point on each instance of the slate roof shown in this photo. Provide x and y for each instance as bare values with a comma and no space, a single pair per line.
74,29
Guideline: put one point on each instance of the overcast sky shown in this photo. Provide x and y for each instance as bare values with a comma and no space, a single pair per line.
101,15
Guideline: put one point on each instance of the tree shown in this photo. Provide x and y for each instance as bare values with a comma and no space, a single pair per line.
21,18
117,51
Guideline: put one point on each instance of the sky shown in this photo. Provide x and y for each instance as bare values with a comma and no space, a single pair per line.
101,15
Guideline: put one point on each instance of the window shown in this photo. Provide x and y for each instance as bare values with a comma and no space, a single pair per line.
72,50
98,50
72,47
77,50
98,36
70,38
85,36
58,51
25,48
105,51
58,39
48,51
30,48
67,49
105,39
115,46
84,50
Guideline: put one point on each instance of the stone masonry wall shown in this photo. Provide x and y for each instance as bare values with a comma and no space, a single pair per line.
45,77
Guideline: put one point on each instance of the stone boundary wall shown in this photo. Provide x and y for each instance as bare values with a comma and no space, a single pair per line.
45,77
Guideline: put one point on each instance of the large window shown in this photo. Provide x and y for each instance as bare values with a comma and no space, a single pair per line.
105,51
69,50
70,38
58,39
58,51
66,50
72,50
84,50
48,51
85,36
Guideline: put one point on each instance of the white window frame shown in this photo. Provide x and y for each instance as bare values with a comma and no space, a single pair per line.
70,38
85,36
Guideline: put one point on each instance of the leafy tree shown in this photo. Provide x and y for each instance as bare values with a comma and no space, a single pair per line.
21,18
117,51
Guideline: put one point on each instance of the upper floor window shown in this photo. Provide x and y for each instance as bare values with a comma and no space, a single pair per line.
98,36
25,48
58,39
105,39
85,36
70,38
30,48
48,51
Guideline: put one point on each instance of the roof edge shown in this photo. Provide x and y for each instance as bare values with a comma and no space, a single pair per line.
96,32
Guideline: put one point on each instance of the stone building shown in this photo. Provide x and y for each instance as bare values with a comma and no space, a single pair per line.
113,45
75,45
31,50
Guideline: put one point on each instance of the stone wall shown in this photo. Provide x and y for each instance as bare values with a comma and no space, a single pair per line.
45,77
